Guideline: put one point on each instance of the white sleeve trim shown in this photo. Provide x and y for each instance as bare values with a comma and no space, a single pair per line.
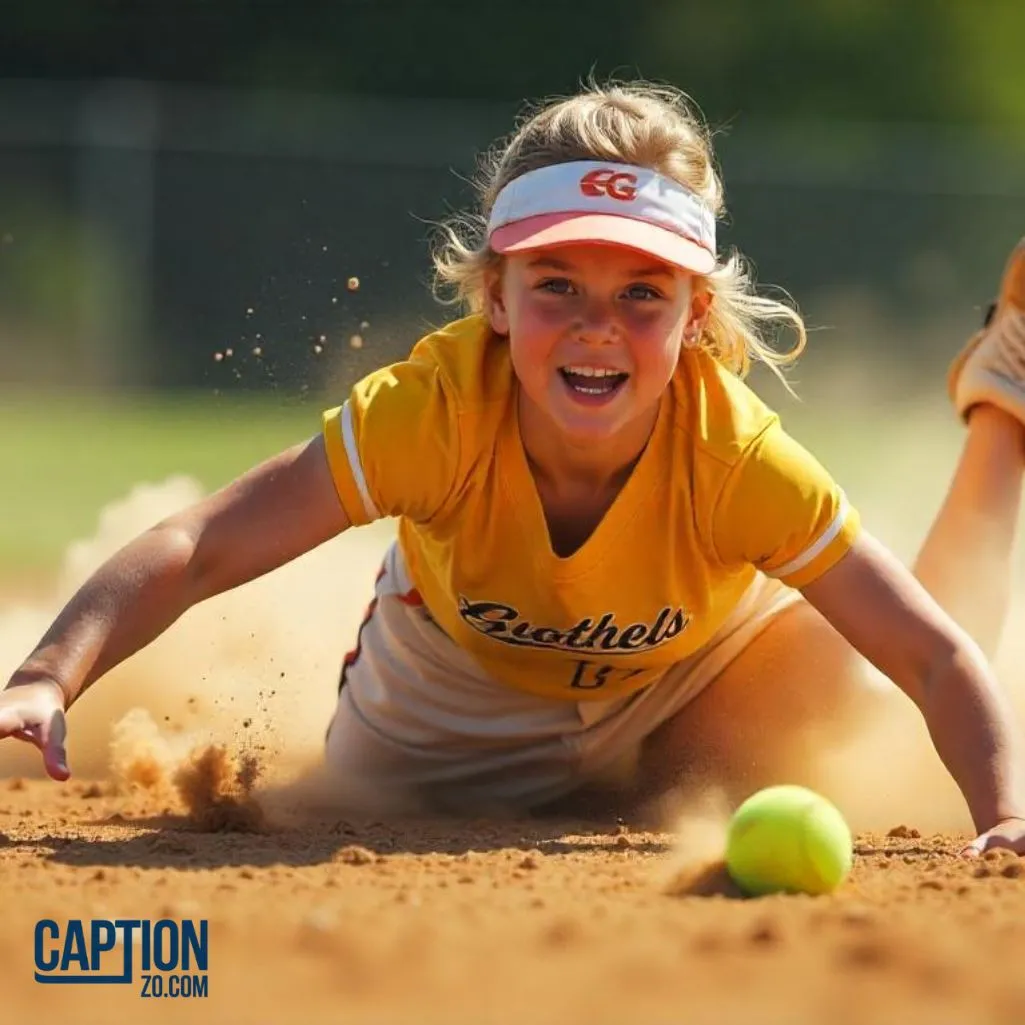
352,451
816,547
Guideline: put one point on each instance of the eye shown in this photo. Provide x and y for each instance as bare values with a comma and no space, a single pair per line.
557,286
642,291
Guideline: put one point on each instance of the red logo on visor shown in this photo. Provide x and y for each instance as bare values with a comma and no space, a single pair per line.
606,182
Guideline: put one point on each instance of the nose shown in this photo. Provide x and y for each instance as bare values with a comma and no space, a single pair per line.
596,323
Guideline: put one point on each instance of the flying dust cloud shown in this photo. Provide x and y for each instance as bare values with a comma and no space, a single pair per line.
252,673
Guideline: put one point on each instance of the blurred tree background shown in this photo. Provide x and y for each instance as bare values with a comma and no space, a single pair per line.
940,61
186,188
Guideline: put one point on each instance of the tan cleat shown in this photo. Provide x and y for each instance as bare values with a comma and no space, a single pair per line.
991,367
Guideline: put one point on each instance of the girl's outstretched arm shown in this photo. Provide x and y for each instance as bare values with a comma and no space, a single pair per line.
886,614
272,514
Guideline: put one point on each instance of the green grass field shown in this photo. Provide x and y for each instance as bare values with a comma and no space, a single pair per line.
64,457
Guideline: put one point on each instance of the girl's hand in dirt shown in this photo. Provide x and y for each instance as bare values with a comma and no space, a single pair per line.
1009,835
34,712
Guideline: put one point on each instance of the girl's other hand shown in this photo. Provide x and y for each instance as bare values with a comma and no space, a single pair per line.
34,712
1008,835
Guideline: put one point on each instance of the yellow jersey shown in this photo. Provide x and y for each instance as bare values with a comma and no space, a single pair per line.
720,492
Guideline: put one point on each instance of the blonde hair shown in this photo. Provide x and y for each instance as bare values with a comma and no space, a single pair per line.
632,123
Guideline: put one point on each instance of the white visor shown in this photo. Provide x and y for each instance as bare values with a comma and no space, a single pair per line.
608,204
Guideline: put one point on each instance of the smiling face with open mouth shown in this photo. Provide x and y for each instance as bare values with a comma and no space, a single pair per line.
594,332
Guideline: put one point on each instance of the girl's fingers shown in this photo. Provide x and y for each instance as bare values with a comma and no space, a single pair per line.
12,723
53,736
49,737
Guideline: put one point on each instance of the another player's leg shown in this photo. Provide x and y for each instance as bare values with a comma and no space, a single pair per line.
966,561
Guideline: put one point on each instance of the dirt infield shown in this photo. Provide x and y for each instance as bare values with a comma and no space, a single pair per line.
437,921
317,916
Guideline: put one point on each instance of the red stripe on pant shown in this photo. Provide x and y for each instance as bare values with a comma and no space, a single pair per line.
409,598
351,656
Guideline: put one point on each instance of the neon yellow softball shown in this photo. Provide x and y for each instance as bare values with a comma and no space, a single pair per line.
788,839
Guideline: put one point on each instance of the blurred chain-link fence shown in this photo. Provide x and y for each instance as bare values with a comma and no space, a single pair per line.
155,236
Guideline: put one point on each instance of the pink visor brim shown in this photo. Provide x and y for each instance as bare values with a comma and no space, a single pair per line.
549,230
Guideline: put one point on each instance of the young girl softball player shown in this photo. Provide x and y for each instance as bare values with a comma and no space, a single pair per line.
608,547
